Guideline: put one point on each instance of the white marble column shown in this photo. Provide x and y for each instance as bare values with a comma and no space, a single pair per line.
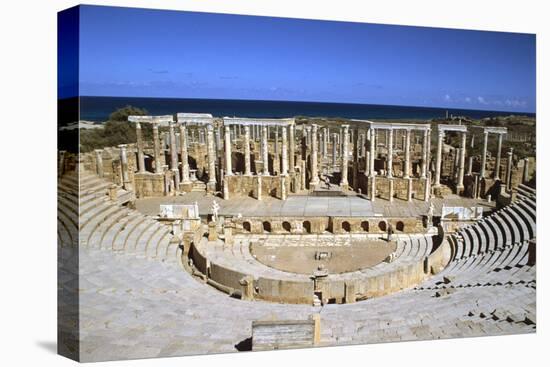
313,155
247,170
174,157
441,135
265,151
497,163
424,153
334,149
156,147
124,167
509,169
345,153
99,162
484,154
211,158
389,159
227,143
525,176
291,147
372,151
141,157
461,163
407,170
276,152
184,155
325,142
284,152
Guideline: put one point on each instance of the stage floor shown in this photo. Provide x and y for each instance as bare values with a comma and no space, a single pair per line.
308,206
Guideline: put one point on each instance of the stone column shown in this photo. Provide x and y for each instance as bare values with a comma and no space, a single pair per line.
218,139
425,153
124,167
389,160
355,163
365,153
247,170
525,177
141,157
284,152
265,151
276,153
292,138
334,149
211,185
441,135
259,187
325,141
341,142
344,181
99,162
313,155
470,165
372,151
184,155
509,169
499,149
406,172
174,157
156,147
173,151
228,169
484,154
461,163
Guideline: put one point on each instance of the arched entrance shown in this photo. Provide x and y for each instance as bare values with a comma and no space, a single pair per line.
286,226
307,226
346,226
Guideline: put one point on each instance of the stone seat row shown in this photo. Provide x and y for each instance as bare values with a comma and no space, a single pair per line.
107,225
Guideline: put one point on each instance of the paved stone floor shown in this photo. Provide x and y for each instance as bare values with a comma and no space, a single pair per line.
305,205
132,307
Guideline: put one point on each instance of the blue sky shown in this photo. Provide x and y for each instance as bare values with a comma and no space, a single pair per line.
157,53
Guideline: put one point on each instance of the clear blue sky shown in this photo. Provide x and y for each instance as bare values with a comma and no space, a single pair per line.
154,53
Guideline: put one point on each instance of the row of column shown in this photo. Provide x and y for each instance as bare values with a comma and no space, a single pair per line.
287,152
462,158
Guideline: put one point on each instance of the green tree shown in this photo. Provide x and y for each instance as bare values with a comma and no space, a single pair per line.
122,114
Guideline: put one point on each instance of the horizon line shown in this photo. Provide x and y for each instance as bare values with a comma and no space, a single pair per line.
305,101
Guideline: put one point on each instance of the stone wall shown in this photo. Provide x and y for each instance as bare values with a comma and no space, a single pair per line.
149,184
318,225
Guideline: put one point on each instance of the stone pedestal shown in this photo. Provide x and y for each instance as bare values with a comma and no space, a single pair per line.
258,188
283,194
350,292
372,187
113,193
247,284
228,232
225,188
212,231
427,189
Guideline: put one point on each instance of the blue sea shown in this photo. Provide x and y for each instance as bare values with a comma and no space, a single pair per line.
98,109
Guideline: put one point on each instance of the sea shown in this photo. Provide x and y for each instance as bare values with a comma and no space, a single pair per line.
97,109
